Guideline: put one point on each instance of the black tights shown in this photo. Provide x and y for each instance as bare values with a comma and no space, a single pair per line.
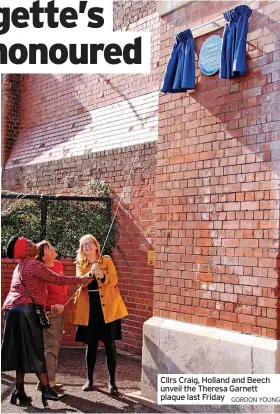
111,355
20,382
43,378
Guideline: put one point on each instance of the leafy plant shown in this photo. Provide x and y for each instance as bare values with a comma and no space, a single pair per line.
67,221
22,218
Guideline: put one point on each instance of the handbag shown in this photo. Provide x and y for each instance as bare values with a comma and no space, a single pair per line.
42,318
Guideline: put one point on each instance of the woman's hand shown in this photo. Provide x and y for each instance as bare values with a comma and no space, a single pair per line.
86,280
56,309
96,270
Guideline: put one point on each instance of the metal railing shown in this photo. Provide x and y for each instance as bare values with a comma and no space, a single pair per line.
43,204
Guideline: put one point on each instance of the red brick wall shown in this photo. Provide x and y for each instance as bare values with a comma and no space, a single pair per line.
126,13
7,267
56,97
217,221
66,100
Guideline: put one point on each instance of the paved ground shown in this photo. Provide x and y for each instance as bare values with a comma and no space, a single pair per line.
71,372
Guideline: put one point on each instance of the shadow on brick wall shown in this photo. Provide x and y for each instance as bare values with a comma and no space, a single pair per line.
49,130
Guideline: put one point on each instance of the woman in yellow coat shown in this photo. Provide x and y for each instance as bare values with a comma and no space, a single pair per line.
98,309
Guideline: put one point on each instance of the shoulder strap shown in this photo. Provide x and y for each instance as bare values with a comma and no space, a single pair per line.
24,285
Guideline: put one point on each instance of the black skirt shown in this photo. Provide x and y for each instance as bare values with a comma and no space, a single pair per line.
97,329
23,343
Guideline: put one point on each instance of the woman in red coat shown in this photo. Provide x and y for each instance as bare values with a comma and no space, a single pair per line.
57,296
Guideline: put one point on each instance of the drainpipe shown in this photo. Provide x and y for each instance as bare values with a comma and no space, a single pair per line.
5,112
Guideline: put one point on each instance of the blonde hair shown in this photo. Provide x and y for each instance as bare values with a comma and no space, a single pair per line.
81,257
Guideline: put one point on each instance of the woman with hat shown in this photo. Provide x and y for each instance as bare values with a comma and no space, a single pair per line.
22,345
98,309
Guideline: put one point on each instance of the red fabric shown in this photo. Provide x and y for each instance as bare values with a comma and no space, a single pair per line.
35,275
56,294
20,248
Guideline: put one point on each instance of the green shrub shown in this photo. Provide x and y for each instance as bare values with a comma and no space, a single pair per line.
67,222
22,218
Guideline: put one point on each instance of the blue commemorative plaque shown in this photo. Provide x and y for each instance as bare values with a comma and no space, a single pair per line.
210,54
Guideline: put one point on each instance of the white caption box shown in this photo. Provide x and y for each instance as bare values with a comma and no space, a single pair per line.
218,389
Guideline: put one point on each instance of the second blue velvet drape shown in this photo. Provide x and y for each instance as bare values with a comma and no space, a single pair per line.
233,55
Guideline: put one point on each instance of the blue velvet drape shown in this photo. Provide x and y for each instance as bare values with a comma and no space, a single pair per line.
180,71
233,55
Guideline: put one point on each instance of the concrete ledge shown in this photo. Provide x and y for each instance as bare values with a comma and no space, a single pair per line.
137,396
166,6
172,347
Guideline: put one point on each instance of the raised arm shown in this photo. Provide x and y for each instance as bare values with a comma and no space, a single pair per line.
43,273
109,272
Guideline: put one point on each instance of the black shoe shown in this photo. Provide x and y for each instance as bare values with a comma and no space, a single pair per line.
49,394
57,389
22,398
88,386
113,389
